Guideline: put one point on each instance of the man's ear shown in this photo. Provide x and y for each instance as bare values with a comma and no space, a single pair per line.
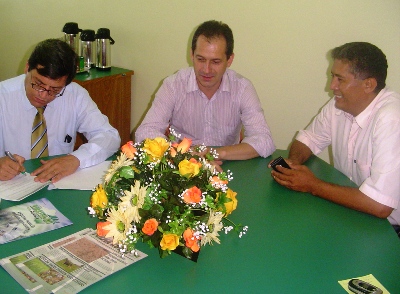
370,85
230,60
26,68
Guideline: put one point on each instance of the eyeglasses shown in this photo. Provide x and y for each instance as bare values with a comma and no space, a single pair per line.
50,92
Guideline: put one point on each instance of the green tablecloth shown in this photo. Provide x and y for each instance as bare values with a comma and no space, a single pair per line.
296,243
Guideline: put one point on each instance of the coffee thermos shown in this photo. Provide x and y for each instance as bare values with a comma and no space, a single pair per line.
88,48
103,45
71,35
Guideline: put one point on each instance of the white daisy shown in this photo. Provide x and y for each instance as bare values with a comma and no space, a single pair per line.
133,200
119,226
121,161
214,224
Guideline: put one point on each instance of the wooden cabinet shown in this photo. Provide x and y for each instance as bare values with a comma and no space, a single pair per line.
111,90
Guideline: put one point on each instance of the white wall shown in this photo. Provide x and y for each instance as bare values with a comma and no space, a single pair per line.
281,46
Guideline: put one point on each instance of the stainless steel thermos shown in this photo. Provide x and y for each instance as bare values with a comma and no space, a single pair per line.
88,48
103,45
71,35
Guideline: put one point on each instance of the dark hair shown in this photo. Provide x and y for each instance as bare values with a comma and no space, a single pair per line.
365,60
54,59
215,29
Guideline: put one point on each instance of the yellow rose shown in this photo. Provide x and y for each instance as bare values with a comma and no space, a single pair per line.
231,205
99,197
189,168
156,147
169,242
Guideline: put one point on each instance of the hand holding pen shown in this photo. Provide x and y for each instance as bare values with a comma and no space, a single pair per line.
11,166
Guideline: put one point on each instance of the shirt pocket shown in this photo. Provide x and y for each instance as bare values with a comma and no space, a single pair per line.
65,143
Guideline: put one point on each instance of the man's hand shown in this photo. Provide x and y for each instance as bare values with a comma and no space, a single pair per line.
206,153
9,168
55,169
298,178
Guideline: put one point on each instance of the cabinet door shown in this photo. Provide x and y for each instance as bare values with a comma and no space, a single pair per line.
112,95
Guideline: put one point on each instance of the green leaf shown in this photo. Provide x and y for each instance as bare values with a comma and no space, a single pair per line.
127,172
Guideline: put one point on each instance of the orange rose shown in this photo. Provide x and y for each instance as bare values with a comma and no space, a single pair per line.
192,195
191,241
150,226
101,232
129,150
184,145
172,151
169,242
215,180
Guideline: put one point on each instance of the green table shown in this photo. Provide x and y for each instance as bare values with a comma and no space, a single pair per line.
296,243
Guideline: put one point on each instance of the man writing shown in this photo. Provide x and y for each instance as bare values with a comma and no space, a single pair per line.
362,123
42,110
210,103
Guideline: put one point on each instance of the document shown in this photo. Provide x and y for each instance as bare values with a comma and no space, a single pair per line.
20,187
68,265
84,179
30,219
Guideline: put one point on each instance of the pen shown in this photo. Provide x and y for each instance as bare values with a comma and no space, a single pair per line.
9,155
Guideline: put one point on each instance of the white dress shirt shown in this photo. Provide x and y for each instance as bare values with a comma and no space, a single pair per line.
366,148
73,112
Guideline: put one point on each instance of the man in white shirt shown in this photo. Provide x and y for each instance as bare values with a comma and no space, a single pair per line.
68,109
362,123
210,103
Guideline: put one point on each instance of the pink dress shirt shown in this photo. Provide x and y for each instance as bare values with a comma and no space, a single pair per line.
212,122
366,148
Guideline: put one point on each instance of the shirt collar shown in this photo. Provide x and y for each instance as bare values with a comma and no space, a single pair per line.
193,86
363,118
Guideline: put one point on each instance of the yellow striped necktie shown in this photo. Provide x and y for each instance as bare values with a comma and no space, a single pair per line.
39,146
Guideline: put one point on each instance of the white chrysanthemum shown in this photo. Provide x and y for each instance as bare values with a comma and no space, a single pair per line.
121,161
215,224
133,200
119,226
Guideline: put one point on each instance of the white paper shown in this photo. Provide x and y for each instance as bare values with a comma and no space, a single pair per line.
20,187
84,179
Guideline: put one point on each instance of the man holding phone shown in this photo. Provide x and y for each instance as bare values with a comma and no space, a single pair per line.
362,123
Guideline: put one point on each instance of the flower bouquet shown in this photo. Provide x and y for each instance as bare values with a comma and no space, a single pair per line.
165,194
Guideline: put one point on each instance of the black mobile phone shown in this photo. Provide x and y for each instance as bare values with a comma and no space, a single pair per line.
362,287
279,161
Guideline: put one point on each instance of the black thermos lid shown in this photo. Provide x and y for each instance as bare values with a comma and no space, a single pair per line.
87,35
71,28
104,33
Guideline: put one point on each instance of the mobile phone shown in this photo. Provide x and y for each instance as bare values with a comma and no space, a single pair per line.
279,161
362,287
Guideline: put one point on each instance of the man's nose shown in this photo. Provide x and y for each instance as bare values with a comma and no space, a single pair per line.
334,84
207,66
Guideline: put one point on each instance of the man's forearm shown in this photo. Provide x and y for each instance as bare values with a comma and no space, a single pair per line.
241,151
299,152
350,197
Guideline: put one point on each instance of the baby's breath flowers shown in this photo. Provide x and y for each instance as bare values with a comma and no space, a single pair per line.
167,194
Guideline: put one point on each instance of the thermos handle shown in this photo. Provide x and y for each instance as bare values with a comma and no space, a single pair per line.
111,41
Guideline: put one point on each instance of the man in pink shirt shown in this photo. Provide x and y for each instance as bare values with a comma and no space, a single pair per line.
210,103
362,124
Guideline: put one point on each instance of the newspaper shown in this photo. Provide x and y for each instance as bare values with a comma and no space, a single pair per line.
30,219
67,265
